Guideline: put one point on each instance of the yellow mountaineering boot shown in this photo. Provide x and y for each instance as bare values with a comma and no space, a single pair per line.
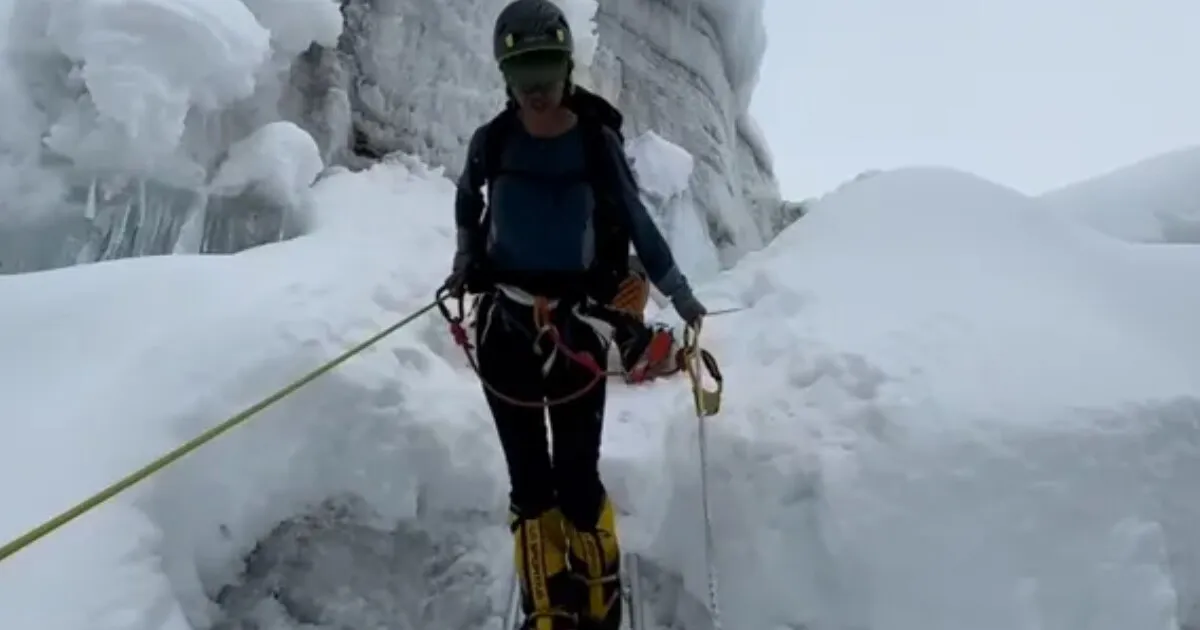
540,556
595,557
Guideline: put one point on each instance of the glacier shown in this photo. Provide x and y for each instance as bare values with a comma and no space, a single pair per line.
130,107
119,145
700,58
950,405
992,422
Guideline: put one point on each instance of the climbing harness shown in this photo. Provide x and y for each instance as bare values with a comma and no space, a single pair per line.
141,474
696,362
707,403
543,328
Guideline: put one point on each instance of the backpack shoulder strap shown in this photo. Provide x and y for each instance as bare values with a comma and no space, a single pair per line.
597,120
596,108
596,115
494,135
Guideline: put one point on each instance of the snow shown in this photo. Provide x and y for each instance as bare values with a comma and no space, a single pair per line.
20,177
581,15
138,61
138,100
740,28
241,325
664,172
946,409
753,135
687,69
1016,402
280,156
117,110
1153,201
663,167
322,23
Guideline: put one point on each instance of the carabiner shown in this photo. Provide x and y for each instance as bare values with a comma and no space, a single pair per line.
708,401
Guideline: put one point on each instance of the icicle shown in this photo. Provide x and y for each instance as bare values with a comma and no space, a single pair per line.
89,210
139,227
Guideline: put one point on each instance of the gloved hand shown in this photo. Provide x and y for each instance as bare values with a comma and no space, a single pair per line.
463,267
456,283
689,308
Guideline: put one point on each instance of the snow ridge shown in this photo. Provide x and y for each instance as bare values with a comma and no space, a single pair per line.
1153,201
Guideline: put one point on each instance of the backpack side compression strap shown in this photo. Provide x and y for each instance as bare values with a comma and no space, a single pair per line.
612,234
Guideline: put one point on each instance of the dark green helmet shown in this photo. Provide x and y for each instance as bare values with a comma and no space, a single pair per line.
526,26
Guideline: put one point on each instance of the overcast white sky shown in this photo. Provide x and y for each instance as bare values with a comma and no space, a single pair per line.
1029,93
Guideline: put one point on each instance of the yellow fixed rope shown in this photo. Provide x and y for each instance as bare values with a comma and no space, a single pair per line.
141,474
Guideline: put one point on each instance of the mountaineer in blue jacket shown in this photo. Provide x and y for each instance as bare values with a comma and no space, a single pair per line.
562,210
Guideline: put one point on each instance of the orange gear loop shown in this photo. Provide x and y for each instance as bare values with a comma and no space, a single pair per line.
543,325
541,315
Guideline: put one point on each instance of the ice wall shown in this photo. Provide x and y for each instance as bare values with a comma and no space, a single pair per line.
127,109
119,114
667,65
686,70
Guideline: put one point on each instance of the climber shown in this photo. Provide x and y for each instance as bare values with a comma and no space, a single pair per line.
561,204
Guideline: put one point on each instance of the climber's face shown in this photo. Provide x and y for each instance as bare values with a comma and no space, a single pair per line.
540,98
537,80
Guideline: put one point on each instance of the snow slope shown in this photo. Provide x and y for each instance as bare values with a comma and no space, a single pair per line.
230,328
1153,201
947,409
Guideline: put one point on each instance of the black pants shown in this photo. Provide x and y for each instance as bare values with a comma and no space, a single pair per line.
568,476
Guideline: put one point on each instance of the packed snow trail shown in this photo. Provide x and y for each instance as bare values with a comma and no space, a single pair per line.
946,409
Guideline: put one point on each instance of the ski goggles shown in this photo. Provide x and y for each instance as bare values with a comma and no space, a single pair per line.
535,71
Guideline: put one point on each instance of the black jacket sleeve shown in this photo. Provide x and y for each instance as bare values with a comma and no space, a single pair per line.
469,202
651,247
